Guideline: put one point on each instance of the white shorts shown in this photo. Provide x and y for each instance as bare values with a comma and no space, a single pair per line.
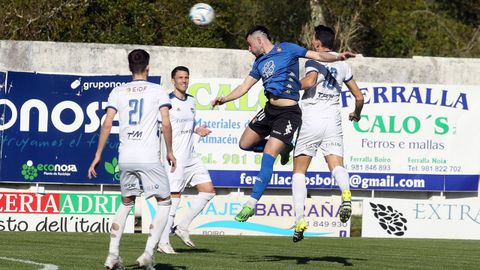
193,174
320,133
149,178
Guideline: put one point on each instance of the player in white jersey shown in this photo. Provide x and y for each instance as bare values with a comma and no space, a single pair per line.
322,125
139,105
191,170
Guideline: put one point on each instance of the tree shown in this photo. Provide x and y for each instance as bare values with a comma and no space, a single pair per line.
381,28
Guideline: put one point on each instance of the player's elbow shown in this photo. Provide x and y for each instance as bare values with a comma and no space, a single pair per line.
359,98
166,125
307,85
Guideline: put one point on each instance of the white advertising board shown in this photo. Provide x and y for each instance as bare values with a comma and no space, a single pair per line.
401,218
274,216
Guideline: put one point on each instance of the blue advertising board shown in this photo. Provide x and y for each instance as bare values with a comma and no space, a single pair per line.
50,127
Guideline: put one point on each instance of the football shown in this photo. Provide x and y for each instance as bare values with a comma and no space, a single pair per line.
201,14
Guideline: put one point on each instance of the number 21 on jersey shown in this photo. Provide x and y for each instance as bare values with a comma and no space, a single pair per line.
136,111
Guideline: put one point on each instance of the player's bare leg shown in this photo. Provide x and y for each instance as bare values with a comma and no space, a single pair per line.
249,138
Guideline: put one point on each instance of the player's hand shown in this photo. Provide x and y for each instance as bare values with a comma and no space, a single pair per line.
91,171
346,55
218,101
203,130
353,117
172,161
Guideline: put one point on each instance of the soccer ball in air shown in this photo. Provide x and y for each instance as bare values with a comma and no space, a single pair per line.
201,14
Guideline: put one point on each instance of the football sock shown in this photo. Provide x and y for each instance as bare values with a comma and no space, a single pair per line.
118,225
299,192
158,225
165,239
263,176
341,175
198,204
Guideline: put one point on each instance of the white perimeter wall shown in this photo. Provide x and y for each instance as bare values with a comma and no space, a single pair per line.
83,58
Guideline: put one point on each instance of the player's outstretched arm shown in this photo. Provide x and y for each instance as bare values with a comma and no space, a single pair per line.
356,114
239,91
102,140
309,80
327,57
167,135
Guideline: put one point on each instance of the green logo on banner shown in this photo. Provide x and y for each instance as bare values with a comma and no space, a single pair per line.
29,171
112,168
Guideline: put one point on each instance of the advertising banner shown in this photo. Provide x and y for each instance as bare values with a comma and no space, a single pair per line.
273,216
50,126
396,218
414,137
410,137
60,212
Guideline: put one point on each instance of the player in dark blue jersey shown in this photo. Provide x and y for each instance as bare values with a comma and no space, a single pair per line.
277,66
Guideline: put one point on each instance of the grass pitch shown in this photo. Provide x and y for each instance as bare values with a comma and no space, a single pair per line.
88,251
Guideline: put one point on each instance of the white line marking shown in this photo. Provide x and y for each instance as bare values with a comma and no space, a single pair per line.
45,266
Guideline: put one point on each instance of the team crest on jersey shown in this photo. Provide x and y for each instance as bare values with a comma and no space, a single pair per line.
192,110
279,49
268,69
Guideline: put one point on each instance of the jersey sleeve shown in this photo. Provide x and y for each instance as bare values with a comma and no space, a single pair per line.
312,66
297,51
348,73
254,72
113,100
164,100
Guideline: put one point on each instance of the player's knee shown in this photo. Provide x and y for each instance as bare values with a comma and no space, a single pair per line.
244,147
206,195
163,201
175,195
166,202
208,190
128,203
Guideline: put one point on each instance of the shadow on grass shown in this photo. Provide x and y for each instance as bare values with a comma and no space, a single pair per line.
193,250
158,266
306,260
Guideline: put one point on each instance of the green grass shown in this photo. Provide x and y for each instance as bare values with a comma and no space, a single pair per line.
88,251
356,226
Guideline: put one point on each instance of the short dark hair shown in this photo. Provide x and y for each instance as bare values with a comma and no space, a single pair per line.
138,60
326,35
179,68
260,28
